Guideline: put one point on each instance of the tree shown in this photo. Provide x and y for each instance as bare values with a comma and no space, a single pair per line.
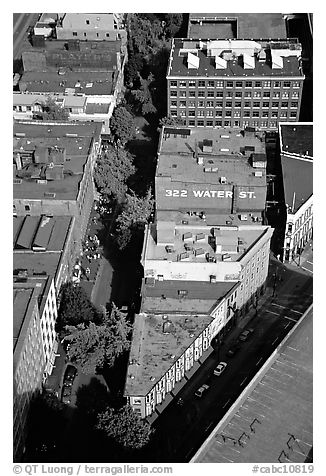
171,121
143,98
173,23
112,171
93,345
132,68
75,307
92,398
125,427
122,124
145,33
134,215
53,112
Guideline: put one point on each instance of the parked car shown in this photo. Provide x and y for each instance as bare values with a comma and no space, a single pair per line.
70,374
199,393
66,395
219,369
235,347
245,335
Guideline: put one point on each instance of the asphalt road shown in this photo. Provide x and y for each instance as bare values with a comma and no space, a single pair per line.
182,429
21,23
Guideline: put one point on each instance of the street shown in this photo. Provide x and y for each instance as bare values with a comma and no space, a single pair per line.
21,23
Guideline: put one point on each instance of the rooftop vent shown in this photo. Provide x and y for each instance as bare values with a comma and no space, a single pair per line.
207,146
258,173
187,236
183,256
243,217
226,257
192,61
49,195
223,180
212,278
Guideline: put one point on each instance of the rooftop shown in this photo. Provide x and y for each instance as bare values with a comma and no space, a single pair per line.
234,58
49,158
297,139
105,21
237,25
282,402
228,163
211,219
40,233
22,298
157,342
297,181
173,297
36,264
201,244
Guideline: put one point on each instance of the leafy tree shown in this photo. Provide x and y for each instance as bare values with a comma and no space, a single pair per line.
132,68
145,33
112,171
75,307
53,112
171,121
134,215
143,98
95,345
125,427
92,398
42,439
122,124
173,23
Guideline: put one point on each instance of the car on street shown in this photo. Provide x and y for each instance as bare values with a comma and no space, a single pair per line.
70,375
235,347
245,335
200,392
66,394
219,369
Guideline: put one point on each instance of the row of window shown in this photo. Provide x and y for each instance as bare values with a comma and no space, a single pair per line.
229,123
232,84
235,114
236,104
234,94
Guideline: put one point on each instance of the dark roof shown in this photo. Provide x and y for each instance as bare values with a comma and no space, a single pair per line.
27,232
297,139
297,181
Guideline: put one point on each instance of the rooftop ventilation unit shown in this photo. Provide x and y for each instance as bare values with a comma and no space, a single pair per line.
183,256
192,61
169,249
223,180
187,236
207,146
225,150
248,61
49,195
220,63
226,257
160,277
20,134
17,181
243,217
212,278
258,173
199,251
200,236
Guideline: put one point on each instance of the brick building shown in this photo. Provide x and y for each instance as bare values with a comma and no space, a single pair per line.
235,83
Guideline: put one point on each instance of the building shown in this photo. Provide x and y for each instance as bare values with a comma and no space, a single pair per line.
170,335
210,254
29,360
237,25
83,77
296,144
210,176
91,26
235,83
53,167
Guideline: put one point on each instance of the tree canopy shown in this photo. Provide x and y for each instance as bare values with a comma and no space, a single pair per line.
125,427
53,112
112,171
143,98
75,307
122,124
134,215
171,121
93,346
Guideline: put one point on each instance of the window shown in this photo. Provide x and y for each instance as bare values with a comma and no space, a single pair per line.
276,94
284,104
201,103
182,94
283,114
229,94
247,94
236,113
192,94
248,84
227,123
265,114
219,84
294,104
209,123
173,113
201,113
266,84
255,114
238,94
74,33
201,84
219,94
182,103
257,94
229,84
237,104
228,113
174,103
192,84
201,94
173,94
209,103
200,123
191,123
275,104
27,208
265,104
246,113
85,34
209,113
236,123
256,104
295,94
295,84
210,94
257,84
107,35
191,113
238,84
285,95
228,104
219,104
293,114
210,84
263,124
218,123
276,84
182,84
173,84
218,114
287,84
266,94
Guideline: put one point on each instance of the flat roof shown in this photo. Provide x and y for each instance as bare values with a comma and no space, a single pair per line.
233,67
212,218
297,181
74,139
297,139
234,242
197,296
282,401
37,263
239,25
157,343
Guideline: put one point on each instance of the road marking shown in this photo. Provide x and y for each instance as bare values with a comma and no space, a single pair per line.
287,325
208,427
283,307
272,312
274,340
259,361
290,318
309,262
306,269
243,381
226,403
